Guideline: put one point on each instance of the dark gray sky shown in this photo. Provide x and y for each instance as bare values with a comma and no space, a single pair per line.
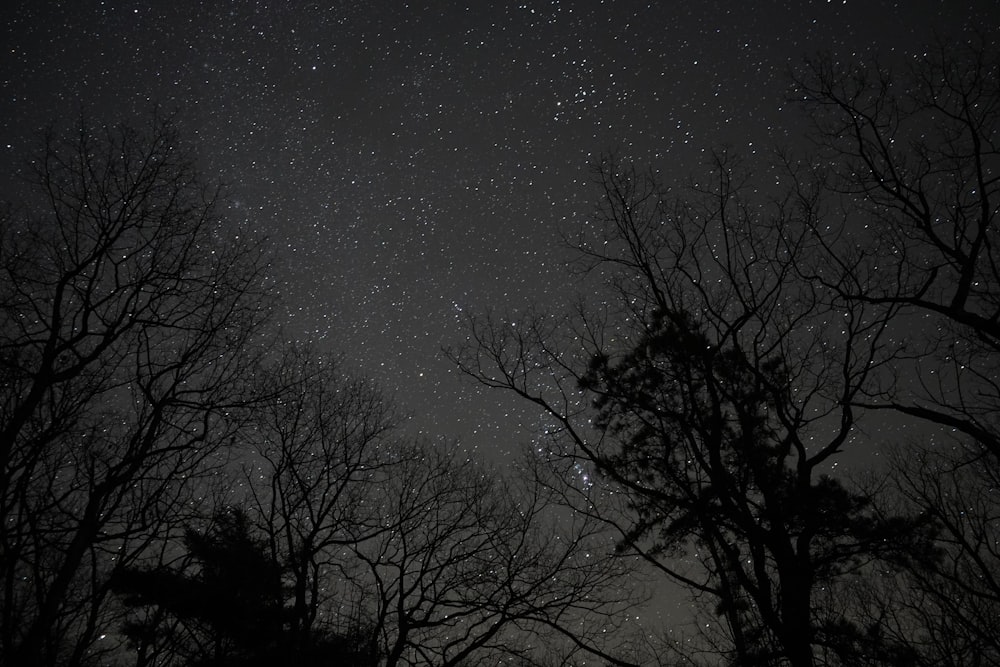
416,160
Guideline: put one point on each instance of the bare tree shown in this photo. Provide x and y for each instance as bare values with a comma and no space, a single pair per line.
433,558
472,565
915,162
126,306
712,389
314,451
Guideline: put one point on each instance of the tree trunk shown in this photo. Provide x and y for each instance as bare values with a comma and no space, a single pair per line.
796,614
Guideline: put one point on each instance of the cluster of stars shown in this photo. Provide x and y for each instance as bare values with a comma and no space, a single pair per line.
416,164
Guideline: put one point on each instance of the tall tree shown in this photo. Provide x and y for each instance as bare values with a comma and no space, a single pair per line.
910,155
714,389
126,307
748,328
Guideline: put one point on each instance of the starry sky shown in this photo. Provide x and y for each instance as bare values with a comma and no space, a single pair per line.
414,161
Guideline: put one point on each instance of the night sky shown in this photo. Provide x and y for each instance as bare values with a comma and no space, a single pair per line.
413,161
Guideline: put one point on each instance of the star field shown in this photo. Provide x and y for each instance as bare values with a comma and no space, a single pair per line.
413,162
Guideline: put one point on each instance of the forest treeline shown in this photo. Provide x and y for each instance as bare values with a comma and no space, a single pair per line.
180,486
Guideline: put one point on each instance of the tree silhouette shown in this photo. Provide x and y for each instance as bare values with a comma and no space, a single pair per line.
748,327
126,306
712,393
944,608
914,156
472,566
228,596
228,601
309,480
447,559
